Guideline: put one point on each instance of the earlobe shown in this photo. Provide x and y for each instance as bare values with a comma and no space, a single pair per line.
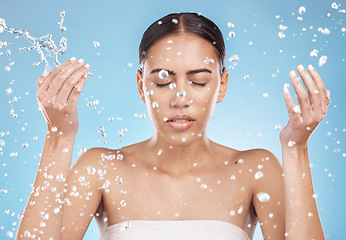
223,86
140,85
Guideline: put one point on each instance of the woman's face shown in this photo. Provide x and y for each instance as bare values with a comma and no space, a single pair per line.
180,84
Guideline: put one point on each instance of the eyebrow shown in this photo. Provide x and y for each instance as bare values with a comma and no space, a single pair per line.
187,73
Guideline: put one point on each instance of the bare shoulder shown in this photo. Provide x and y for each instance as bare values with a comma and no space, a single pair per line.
268,190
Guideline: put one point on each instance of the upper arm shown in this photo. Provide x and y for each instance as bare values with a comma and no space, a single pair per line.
268,195
83,195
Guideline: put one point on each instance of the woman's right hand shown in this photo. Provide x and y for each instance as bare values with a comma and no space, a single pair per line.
58,93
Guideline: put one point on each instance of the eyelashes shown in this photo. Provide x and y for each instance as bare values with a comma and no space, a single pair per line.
166,84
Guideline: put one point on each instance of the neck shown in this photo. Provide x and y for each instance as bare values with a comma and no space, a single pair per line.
179,159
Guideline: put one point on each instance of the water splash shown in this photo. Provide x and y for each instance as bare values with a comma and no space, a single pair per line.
44,45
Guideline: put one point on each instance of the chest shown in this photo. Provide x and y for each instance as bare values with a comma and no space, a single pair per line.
223,194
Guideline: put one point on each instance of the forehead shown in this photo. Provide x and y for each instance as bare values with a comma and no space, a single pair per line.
182,50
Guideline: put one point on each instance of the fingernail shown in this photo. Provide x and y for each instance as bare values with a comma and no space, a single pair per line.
328,93
300,67
293,73
73,59
310,67
81,60
46,74
285,90
87,65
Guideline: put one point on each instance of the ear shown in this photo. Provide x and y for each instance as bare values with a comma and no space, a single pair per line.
223,86
140,85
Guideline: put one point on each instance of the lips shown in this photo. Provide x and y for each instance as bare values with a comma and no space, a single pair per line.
180,122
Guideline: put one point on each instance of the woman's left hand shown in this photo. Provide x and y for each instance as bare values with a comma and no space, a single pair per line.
304,119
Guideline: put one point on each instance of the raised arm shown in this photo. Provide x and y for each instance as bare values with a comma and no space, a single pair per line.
57,95
301,215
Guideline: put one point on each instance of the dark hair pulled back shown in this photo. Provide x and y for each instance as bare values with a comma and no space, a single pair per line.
183,23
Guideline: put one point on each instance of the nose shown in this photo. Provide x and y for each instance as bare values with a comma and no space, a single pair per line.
180,99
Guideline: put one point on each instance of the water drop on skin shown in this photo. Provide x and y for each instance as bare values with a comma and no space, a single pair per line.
155,104
263,197
291,143
209,61
258,175
181,94
163,74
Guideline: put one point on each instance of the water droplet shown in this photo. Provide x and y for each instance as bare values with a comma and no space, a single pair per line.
181,93
60,177
232,177
81,178
277,126
159,152
271,215
54,129
163,74
9,90
281,35
258,175
27,234
302,10
91,170
263,197
208,61
155,104
44,215
25,145
296,109
175,21
183,139
282,27
204,186
310,214
291,143
65,150
101,129
7,69
265,95
118,180
56,210
172,85
96,44
120,156
230,25
123,203
322,60
232,213
231,34
240,210
9,234
314,53
335,5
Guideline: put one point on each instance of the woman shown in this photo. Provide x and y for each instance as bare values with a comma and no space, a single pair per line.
178,184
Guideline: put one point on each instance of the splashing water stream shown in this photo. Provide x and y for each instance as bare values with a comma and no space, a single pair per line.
44,45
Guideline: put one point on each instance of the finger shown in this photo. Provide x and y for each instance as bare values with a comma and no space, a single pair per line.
75,93
302,96
289,101
55,86
70,83
42,85
56,71
321,87
313,91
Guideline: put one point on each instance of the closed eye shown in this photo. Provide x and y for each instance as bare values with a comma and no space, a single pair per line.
162,85
200,84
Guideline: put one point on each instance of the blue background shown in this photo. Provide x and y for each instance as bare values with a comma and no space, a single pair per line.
244,120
